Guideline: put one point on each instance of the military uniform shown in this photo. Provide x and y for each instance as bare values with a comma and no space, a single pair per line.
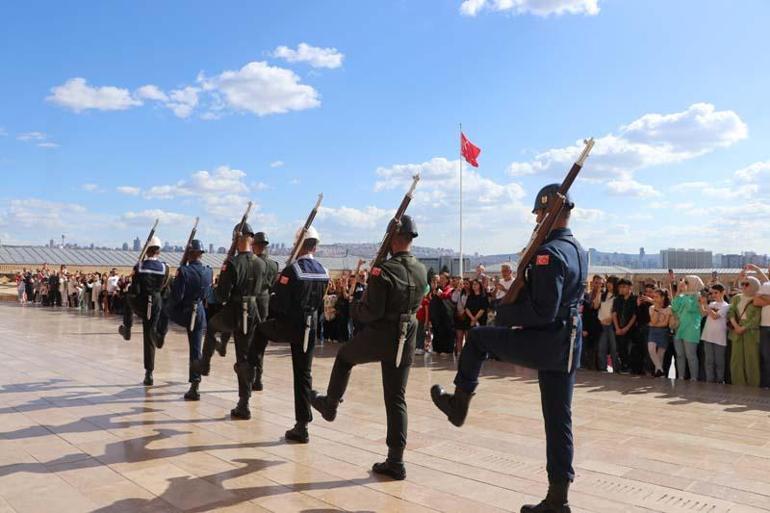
239,283
547,337
257,353
185,307
299,292
387,313
144,298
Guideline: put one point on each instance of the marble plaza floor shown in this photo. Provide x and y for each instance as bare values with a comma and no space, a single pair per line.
78,433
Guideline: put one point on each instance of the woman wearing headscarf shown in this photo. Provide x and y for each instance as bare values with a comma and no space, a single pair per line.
686,308
744,317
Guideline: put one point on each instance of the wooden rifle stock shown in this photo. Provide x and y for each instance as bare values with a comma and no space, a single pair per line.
237,233
303,232
393,226
544,227
352,289
147,242
186,254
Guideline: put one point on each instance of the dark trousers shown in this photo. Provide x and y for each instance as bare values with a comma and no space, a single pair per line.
279,330
764,356
157,325
556,388
242,367
372,345
195,341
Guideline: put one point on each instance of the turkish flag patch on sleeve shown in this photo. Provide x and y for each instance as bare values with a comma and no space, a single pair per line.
543,260
284,280
376,271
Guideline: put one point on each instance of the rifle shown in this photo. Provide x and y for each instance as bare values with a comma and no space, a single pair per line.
352,289
394,224
237,233
544,227
147,242
382,254
185,255
303,232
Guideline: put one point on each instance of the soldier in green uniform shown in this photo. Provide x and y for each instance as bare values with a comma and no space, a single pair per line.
387,311
240,282
257,352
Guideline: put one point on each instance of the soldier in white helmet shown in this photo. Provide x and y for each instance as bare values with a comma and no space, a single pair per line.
144,298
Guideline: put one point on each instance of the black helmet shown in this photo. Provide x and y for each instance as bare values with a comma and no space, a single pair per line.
407,226
546,195
245,229
196,245
261,238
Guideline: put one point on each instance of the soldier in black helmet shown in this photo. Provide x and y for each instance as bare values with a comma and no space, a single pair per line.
240,282
548,339
257,354
387,312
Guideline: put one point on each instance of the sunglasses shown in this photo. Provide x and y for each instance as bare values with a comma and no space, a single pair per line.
745,284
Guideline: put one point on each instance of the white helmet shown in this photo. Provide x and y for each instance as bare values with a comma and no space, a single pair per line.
312,233
154,242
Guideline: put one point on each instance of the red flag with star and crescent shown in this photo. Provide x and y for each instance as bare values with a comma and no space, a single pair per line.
469,151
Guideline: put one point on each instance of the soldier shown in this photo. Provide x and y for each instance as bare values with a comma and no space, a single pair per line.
257,353
387,312
239,284
149,277
548,338
185,307
299,293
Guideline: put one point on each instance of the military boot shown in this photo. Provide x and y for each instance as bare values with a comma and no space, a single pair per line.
148,379
221,348
298,433
325,406
554,502
192,394
159,339
256,386
241,411
454,406
124,332
201,366
393,466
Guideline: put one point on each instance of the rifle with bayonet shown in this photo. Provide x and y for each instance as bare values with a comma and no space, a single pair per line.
237,234
147,242
133,289
382,254
186,254
544,227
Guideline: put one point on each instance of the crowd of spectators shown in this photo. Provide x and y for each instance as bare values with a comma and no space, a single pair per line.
102,292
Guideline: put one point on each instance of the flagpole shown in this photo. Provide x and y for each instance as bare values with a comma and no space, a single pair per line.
461,201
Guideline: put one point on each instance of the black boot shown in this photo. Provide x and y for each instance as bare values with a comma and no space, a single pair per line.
454,406
148,378
124,332
241,411
202,366
392,467
554,502
325,406
257,385
192,394
159,339
221,348
298,433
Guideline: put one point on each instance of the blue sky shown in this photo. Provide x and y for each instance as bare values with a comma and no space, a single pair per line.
115,113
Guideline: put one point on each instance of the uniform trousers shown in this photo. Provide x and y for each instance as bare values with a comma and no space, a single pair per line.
195,340
522,347
280,330
242,367
379,344
156,326
209,339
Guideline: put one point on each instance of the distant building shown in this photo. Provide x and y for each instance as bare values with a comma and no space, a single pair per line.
125,246
222,250
211,247
732,261
685,259
50,244
137,244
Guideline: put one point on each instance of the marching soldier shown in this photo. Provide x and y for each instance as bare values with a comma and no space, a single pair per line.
149,277
299,293
387,312
239,284
257,353
548,339
190,288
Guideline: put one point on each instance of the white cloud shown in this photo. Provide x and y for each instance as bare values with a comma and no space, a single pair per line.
651,140
183,101
75,94
754,171
47,145
368,218
3,132
146,217
90,187
223,180
129,190
32,136
536,7
41,214
317,57
151,92
262,90
277,163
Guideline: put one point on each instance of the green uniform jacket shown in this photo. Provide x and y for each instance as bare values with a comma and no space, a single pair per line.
240,278
268,280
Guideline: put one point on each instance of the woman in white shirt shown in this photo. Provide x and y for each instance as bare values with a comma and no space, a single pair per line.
714,333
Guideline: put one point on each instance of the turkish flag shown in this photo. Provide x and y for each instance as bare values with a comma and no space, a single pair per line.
469,152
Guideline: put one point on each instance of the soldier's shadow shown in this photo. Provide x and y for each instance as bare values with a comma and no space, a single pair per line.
180,488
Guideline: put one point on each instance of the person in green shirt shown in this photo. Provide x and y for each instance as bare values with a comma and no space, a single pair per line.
744,317
686,309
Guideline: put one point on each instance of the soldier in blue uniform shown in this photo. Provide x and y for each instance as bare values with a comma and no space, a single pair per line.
546,337
299,292
185,307
144,298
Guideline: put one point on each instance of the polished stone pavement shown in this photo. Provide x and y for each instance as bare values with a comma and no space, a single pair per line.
78,433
